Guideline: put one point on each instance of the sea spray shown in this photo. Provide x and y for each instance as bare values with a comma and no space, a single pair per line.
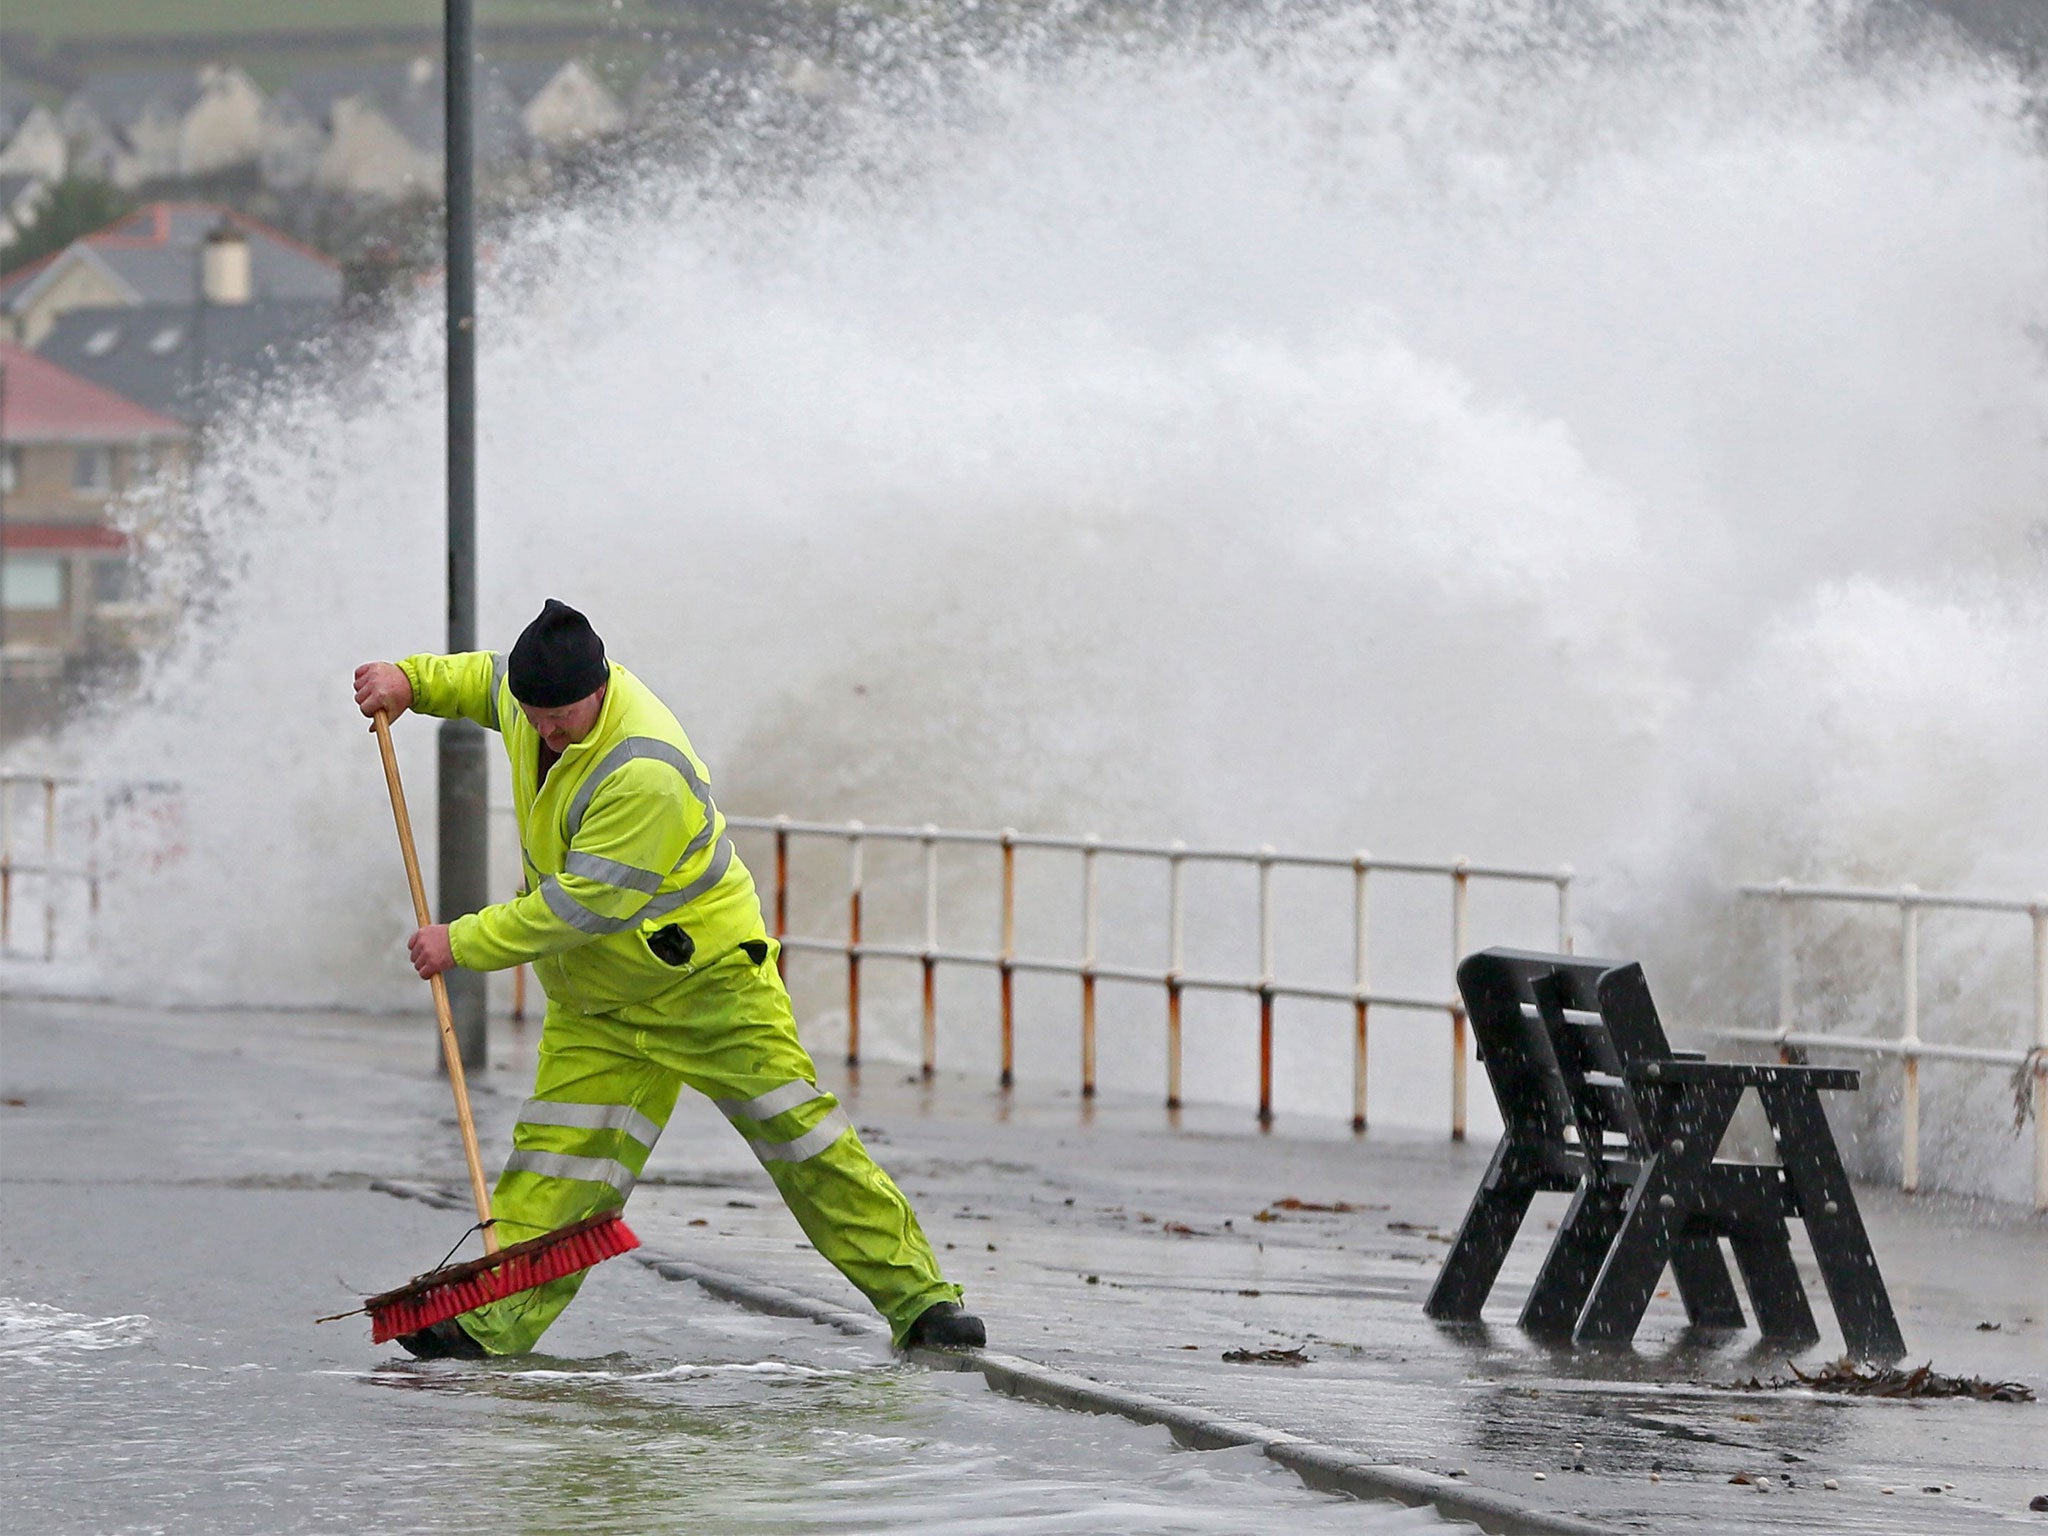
1445,429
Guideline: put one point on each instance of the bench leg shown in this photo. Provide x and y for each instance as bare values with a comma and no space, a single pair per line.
1569,1269
1669,1192
1483,1239
1806,1149
1704,1284
1764,1254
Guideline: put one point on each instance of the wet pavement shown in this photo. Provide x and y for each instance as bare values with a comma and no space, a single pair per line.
184,1192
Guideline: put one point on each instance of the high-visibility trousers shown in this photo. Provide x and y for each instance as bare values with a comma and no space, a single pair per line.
604,1089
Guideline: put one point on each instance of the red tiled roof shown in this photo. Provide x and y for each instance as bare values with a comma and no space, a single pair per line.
43,403
63,536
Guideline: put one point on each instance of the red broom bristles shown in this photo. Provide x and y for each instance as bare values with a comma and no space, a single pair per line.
458,1288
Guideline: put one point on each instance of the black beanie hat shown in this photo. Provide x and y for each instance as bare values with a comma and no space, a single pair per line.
557,659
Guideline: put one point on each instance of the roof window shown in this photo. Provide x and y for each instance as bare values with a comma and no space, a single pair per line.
166,340
102,341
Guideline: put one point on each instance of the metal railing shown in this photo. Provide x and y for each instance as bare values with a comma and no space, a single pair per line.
1174,978
2029,1065
42,796
45,787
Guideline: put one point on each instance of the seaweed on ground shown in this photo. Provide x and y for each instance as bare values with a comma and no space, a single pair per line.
1265,1356
1889,1381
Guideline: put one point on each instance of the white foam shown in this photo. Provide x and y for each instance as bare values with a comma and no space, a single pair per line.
33,1333
683,1370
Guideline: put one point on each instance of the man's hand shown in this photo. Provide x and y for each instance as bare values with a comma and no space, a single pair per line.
380,685
431,952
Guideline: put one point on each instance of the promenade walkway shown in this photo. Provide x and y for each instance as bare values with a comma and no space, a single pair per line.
1100,1242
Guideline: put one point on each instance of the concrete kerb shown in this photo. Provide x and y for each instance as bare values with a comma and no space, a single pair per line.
757,1296
1319,1466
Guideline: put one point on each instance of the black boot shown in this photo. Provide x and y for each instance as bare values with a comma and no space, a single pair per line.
944,1326
445,1340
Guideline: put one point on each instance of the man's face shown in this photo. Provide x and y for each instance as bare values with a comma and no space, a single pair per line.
566,724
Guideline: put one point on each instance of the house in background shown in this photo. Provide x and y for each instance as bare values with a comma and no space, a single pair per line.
375,130
560,105
155,256
22,198
193,360
68,451
31,144
137,125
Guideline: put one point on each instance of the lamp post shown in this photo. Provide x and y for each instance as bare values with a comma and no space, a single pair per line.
464,777
6,477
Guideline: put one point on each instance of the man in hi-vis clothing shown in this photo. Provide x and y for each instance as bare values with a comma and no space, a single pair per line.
645,931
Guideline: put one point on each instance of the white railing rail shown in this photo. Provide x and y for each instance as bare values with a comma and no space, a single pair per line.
2028,1064
1174,977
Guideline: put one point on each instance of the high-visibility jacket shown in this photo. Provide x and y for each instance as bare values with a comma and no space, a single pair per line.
631,881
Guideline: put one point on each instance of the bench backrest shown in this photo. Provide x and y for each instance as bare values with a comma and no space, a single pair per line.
1557,1034
1515,1042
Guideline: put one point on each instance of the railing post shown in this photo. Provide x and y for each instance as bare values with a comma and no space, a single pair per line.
49,868
931,944
1007,969
853,878
1460,889
1784,910
1909,1043
1266,984
1176,933
1088,916
1361,982
92,879
1564,910
2039,913
781,895
6,864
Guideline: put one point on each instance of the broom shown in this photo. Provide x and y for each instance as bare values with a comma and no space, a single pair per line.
457,1288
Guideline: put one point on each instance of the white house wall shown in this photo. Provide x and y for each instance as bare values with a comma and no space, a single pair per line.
76,279
151,150
224,127
573,106
367,156
37,148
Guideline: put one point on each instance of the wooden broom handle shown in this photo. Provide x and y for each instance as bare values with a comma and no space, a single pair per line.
450,1051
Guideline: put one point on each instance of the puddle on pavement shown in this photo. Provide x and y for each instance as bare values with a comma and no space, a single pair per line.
142,1424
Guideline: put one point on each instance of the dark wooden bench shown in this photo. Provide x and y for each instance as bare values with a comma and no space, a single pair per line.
1596,1103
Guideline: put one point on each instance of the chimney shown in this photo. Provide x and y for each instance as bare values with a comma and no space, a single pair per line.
224,276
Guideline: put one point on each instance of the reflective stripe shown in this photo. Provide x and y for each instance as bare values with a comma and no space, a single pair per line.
808,1145
583,920
775,1101
560,1165
580,917
497,682
627,877
617,758
703,834
660,906
721,861
591,1117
